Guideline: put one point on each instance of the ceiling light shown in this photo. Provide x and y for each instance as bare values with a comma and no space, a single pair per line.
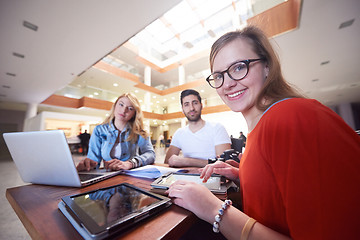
347,23
325,62
165,100
18,55
91,95
30,25
154,96
136,91
115,84
11,74
96,93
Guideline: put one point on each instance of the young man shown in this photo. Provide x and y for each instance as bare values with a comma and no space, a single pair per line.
199,140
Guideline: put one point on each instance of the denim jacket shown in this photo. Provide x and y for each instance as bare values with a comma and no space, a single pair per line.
103,138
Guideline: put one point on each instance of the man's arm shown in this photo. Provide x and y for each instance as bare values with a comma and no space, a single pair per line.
219,149
174,160
171,151
177,161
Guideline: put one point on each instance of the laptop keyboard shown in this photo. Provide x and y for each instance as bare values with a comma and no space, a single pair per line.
85,177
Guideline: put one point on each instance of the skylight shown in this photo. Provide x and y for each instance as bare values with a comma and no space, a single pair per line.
192,25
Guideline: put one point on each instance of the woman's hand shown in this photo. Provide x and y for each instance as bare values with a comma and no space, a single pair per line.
116,164
226,169
195,198
86,165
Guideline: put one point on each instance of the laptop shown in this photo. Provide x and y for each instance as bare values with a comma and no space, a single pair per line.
44,157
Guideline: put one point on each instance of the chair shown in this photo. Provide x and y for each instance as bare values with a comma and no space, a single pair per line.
153,142
237,144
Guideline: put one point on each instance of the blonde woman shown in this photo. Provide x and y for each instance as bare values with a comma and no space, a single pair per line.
120,140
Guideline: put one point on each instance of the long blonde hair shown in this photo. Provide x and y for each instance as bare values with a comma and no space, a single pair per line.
136,122
275,87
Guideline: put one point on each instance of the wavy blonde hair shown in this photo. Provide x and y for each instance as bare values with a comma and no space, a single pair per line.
275,86
136,122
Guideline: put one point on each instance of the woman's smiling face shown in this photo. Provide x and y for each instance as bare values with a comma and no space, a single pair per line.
240,95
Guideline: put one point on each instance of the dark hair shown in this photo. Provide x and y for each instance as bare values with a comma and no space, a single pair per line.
275,87
188,92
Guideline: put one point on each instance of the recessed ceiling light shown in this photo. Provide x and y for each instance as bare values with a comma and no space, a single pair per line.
115,84
91,95
325,62
30,25
154,96
18,55
11,74
136,91
96,93
347,23
165,99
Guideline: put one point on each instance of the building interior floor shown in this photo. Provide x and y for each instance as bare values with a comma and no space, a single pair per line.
11,227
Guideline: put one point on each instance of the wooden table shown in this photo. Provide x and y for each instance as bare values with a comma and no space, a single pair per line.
37,208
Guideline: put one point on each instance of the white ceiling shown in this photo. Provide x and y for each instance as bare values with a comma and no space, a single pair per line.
73,35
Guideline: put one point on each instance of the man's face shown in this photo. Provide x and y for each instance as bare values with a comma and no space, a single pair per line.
192,108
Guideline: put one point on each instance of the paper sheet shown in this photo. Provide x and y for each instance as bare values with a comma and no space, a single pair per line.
150,171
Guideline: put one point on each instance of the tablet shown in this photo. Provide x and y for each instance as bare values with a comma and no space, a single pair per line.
213,183
104,212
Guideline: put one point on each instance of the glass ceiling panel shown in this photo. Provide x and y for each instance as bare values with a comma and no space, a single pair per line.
195,22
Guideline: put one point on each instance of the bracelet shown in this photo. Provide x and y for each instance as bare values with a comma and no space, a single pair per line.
247,228
218,217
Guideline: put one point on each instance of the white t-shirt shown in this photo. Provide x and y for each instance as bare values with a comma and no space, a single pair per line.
201,144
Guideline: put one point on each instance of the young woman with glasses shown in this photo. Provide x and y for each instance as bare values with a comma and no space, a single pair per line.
299,175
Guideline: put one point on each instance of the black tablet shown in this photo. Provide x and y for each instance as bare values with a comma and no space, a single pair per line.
213,183
108,211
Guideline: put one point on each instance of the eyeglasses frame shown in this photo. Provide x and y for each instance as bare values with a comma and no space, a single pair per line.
247,63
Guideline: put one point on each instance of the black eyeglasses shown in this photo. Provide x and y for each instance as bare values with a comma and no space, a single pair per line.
236,71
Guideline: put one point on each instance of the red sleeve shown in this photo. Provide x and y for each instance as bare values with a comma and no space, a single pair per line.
315,159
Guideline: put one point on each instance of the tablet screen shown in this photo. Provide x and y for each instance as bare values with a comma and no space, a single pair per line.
108,205
213,183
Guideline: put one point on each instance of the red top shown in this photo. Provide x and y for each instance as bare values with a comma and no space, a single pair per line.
300,173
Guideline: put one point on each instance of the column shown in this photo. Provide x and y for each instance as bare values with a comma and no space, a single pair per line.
147,97
31,111
346,112
181,71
